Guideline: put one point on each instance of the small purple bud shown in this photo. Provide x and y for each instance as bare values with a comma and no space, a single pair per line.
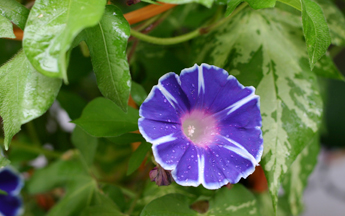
161,176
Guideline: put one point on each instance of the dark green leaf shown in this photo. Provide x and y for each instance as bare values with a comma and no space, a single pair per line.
107,42
137,157
25,94
169,205
126,139
3,161
103,118
72,103
296,178
6,28
86,144
315,30
138,93
335,20
115,194
14,11
207,3
153,191
51,28
290,102
102,205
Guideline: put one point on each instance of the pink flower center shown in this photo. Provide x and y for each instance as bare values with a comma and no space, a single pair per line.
199,127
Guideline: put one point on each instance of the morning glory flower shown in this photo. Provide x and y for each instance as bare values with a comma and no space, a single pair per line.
11,183
204,126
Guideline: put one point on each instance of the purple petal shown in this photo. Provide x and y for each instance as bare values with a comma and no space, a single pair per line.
249,138
234,157
153,130
187,170
157,107
246,115
231,95
10,205
169,85
202,84
214,176
168,154
10,181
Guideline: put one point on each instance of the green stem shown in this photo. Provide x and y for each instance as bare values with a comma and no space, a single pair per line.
33,149
188,36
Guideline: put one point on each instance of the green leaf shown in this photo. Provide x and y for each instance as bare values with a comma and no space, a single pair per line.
102,205
169,205
296,178
102,118
3,161
315,31
101,210
153,191
207,3
107,42
232,5
51,28
6,28
255,4
293,3
81,189
265,49
86,144
138,93
265,206
78,196
138,157
25,94
335,20
237,201
126,139
14,11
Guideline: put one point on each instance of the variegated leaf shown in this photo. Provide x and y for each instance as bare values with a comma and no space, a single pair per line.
296,178
265,49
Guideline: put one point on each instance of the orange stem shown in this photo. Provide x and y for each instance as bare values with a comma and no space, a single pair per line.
147,12
132,17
